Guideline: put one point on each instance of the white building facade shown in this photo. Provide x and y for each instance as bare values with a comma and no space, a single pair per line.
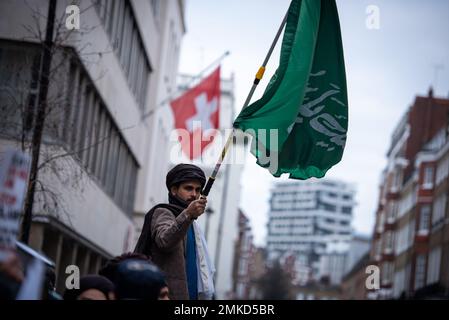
306,218
105,77
340,258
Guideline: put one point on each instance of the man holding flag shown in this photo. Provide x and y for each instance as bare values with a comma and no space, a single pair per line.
305,104
174,241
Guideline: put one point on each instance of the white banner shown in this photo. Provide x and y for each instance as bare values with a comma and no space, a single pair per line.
14,171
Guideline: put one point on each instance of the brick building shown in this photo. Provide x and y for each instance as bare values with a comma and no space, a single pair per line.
243,259
411,234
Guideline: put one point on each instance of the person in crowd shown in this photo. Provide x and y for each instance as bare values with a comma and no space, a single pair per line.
92,287
137,279
11,274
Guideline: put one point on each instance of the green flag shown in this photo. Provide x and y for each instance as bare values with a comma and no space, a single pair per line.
305,102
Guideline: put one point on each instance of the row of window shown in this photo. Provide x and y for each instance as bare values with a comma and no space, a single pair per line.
307,193
320,205
307,236
290,226
288,243
396,178
438,213
88,128
292,199
430,175
122,29
77,118
403,238
422,276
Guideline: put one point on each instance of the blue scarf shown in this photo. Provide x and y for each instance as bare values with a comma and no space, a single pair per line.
191,267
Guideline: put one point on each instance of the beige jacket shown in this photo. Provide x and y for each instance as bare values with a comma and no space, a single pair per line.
168,249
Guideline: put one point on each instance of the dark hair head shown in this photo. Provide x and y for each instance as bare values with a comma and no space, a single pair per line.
97,282
110,268
138,279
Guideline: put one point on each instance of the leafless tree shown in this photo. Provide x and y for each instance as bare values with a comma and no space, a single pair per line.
58,161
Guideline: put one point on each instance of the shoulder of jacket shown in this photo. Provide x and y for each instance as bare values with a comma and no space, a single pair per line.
163,212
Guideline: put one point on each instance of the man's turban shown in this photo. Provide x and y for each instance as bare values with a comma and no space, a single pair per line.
183,173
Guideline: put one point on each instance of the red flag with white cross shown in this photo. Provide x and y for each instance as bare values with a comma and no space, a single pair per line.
196,112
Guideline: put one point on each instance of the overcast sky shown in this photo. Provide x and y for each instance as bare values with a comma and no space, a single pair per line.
385,69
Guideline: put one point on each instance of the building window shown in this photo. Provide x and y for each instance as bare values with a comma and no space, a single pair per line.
439,209
407,202
243,267
397,180
411,233
428,178
392,211
399,241
377,249
420,271
381,222
387,273
442,170
433,271
327,207
424,219
155,4
399,283
77,121
19,65
388,242
120,24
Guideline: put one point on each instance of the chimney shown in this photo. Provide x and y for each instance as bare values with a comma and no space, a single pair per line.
430,92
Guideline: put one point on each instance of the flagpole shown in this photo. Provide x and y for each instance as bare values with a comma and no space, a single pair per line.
257,79
167,99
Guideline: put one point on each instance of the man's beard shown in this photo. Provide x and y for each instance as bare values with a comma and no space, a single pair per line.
190,200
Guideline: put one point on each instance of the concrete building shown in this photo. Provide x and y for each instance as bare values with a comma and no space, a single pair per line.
305,218
341,274
340,257
411,234
105,77
333,263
